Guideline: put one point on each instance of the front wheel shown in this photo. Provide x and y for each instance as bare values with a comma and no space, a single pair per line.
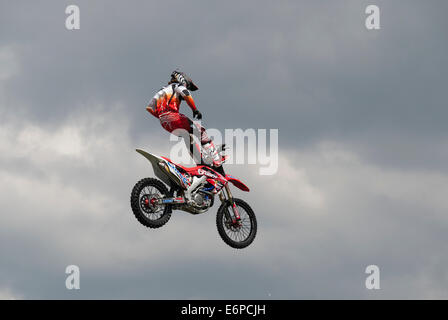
237,234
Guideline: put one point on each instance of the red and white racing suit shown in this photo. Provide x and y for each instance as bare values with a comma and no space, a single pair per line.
165,106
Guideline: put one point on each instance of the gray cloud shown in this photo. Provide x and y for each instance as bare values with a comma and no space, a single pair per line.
361,118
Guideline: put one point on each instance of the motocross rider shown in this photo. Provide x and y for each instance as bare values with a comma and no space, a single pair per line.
165,106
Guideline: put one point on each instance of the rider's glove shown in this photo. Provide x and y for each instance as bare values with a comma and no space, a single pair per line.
197,114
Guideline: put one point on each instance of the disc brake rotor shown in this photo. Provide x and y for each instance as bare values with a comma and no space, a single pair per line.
234,226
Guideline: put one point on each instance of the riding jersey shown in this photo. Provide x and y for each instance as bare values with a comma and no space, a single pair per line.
168,99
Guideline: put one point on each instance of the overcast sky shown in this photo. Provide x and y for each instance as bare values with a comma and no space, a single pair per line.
363,147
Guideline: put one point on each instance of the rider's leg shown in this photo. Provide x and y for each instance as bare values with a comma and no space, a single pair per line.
172,121
209,152
197,130
198,137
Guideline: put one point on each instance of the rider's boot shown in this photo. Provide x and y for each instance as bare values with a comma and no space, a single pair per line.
211,154
220,170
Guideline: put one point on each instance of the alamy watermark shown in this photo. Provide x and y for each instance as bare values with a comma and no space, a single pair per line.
249,146
73,21
73,279
373,280
373,18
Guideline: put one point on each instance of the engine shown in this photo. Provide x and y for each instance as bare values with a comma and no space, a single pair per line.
201,200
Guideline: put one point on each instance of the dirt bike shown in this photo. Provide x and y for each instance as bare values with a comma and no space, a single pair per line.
193,190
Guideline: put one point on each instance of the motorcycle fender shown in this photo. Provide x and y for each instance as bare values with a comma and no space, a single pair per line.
237,183
155,166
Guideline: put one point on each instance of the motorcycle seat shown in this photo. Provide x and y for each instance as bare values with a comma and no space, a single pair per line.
186,169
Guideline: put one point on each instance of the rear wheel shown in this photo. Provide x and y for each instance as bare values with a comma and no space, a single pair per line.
237,234
144,198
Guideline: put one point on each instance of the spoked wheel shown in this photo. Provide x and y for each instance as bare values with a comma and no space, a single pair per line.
144,203
237,234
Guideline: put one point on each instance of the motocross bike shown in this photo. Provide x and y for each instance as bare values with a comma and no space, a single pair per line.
193,190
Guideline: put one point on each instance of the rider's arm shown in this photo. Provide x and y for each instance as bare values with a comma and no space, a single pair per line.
154,104
186,95
151,108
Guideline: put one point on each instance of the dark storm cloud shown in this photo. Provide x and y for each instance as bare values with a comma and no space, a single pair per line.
312,70
309,68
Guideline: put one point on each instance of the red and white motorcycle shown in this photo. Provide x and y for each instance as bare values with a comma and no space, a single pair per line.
193,190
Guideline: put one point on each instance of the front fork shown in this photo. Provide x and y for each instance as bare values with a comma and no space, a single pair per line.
222,197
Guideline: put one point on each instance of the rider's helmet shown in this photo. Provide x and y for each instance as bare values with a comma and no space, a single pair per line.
183,79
